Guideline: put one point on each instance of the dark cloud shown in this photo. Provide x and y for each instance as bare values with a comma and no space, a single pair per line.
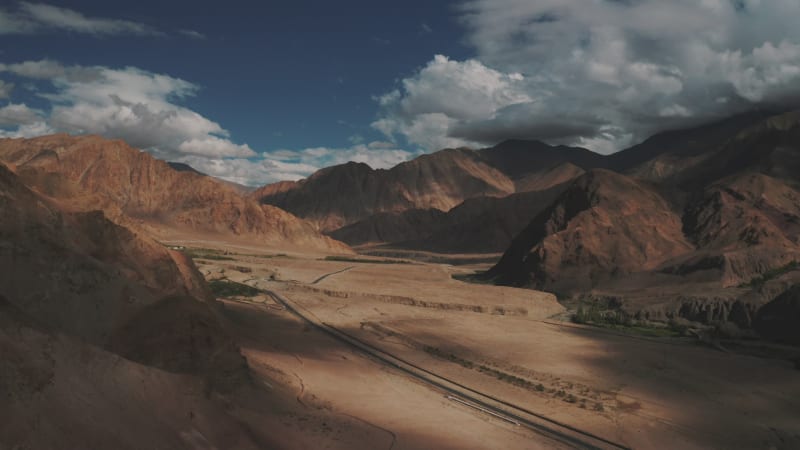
602,74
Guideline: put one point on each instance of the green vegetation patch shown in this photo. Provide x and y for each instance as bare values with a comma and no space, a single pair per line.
761,280
227,288
475,278
598,315
207,253
366,261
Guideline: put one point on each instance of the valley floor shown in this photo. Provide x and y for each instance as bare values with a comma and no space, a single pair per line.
594,387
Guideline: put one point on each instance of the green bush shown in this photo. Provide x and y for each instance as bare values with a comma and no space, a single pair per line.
207,253
227,288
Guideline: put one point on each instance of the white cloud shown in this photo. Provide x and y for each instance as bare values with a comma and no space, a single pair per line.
213,146
29,130
131,104
249,172
284,164
16,114
443,94
47,69
192,34
143,109
36,17
602,73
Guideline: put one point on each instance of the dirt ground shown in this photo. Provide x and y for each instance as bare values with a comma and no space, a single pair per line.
635,391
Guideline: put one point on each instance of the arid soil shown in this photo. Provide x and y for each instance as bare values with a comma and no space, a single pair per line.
513,344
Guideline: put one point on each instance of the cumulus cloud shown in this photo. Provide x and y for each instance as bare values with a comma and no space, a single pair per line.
601,74
138,106
18,114
30,18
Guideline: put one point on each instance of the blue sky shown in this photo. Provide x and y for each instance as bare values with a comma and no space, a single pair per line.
255,92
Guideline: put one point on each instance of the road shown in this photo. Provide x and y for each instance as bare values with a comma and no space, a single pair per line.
459,393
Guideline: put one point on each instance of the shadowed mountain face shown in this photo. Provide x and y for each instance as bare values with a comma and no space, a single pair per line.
449,201
92,172
604,224
519,159
342,195
478,225
723,223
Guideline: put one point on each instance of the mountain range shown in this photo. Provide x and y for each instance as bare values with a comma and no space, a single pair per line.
700,224
679,226
697,225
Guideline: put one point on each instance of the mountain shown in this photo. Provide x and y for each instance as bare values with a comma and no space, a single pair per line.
341,195
477,225
713,237
519,159
359,205
95,173
98,317
748,224
80,274
605,224
682,144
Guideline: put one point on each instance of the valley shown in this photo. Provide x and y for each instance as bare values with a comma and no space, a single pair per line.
418,225
520,296
516,346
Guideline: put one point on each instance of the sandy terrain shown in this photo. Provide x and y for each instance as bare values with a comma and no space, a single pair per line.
633,391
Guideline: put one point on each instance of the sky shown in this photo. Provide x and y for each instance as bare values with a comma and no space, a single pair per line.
257,92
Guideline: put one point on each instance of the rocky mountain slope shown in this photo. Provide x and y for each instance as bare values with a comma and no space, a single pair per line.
713,207
341,195
604,224
713,238
477,225
95,173
84,275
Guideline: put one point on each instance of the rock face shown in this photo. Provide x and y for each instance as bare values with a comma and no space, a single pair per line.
95,173
478,225
603,225
718,216
750,223
341,195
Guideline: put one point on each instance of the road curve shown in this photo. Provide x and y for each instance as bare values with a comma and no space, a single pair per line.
552,429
